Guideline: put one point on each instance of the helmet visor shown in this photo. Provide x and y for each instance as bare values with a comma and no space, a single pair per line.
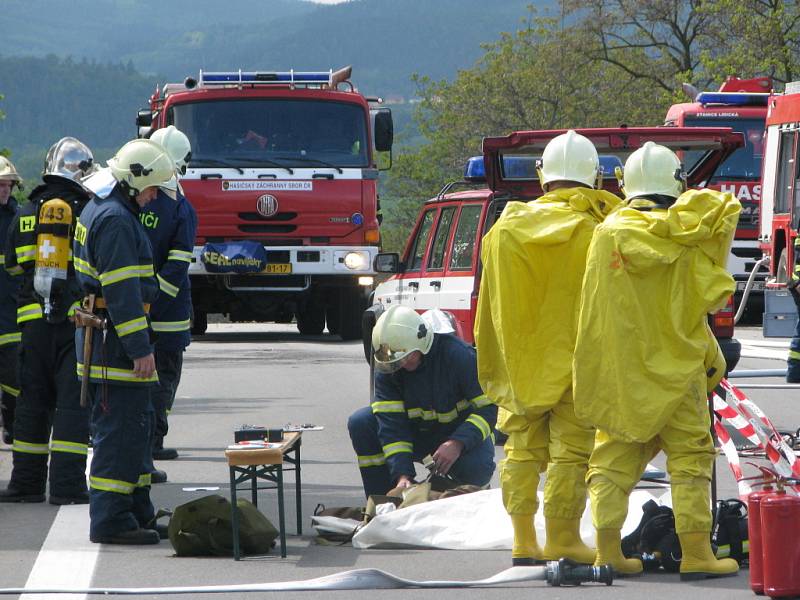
388,360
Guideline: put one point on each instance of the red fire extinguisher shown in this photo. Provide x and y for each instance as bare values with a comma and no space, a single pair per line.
754,533
780,550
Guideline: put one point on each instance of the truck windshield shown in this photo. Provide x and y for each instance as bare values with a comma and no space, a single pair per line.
745,163
285,133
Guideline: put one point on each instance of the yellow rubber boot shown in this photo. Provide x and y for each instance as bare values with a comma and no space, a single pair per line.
698,560
564,541
526,551
609,552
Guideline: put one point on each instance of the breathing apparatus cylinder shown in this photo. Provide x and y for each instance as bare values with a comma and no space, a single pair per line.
52,253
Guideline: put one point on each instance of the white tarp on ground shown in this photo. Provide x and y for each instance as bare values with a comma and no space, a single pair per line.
476,521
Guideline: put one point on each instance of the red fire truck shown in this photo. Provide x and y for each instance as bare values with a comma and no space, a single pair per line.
284,177
780,216
740,104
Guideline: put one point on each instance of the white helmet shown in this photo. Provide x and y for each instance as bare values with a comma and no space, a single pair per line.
176,144
141,164
399,332
69,158
570,157
8,172
653,170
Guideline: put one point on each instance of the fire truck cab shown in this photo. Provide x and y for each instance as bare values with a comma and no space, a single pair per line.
440,265
740,104
283,176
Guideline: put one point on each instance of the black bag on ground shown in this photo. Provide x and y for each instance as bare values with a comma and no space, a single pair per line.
203,527
654,540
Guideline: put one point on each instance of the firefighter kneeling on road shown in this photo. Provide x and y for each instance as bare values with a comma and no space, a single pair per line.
645,357
114,263
39,247
533,262
427,401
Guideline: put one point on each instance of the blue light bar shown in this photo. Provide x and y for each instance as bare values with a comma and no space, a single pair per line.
732,98
474,170
608,162
524,167
263,77
514,167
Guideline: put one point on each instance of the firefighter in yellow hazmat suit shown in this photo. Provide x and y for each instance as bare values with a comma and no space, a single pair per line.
533,262
645,356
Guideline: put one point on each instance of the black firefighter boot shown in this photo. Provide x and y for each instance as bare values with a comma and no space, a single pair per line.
28,478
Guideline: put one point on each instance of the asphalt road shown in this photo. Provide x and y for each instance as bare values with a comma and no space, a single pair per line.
269,375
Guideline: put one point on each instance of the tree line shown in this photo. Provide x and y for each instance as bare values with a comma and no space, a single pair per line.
594,63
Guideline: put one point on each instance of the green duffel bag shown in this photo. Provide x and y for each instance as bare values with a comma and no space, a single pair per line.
203,527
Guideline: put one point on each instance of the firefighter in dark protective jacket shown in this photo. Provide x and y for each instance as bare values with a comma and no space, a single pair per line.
427,401
9,334
170,222
114,263
50,398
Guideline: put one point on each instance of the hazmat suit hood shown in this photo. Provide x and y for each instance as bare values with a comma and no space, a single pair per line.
558,213
533,260
651,279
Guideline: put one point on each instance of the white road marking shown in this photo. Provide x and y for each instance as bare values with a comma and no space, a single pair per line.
67,558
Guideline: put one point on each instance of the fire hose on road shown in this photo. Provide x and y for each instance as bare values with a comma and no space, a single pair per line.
556,573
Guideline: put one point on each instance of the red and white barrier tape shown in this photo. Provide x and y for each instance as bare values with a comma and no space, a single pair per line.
742,414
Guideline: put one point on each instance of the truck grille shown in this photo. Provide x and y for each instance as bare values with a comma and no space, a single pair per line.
252,216
266,228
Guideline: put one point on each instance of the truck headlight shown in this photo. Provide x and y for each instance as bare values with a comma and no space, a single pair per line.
355,261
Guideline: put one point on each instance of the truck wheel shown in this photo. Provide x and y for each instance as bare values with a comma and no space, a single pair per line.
199,322
311,320
351,308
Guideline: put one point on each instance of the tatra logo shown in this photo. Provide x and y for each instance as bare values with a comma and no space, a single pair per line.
267,205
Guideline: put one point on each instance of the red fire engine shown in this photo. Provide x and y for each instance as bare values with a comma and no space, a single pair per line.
781,182
740,104
284,177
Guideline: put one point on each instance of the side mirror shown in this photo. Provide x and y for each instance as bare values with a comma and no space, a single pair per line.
387,262
144,118
383,129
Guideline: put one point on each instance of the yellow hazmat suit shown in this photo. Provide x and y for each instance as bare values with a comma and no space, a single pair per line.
651,279
534,258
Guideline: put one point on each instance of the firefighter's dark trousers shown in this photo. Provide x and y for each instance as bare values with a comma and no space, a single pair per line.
119,480
168,365
793,363
50,403
9,384
475,466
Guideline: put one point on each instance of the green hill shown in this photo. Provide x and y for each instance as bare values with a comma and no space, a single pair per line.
85,70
